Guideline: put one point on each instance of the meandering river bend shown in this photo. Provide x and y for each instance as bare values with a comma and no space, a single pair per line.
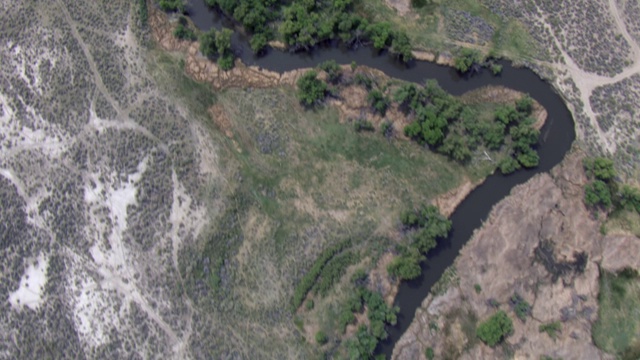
556,138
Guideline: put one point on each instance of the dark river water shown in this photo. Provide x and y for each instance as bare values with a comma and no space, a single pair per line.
556,138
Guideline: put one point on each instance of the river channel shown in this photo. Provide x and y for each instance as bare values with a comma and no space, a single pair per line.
556,138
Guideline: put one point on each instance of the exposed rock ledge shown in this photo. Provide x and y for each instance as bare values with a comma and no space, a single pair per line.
500,258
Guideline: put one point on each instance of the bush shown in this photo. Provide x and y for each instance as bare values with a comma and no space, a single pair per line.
378,101
333,70
387,129
552,329
466,60
520,306
310,89
429,354
321,337
495,329
477,288
172,5
184,33
363,125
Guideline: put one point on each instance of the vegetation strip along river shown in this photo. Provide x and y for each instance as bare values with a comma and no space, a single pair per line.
556,138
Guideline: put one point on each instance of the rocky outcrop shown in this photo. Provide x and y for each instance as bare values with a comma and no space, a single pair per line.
531,245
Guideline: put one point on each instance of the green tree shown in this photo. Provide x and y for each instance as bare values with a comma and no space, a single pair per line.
508,165
208,43
495,329
401,46
407,265
597,193
600,168
528,158
184,33
258,42
466,59
310,89
381,34
524,105
630,198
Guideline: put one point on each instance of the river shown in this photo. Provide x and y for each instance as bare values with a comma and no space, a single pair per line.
556,138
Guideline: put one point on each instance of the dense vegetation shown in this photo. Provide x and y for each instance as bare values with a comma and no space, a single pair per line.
309,279
216,43
495,329
303,24
449,127
603,190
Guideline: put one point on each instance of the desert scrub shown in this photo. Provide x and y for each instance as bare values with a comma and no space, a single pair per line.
552,329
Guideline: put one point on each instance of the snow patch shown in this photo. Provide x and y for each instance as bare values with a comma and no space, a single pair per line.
31,285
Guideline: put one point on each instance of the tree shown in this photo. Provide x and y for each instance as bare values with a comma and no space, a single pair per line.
310,89
597,193
495,329
380,34
208,43
258,42
407,265
508,165
184,33
401,46
528,158
524,105
466,60
600,168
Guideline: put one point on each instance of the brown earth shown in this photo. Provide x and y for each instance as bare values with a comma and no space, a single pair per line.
501,259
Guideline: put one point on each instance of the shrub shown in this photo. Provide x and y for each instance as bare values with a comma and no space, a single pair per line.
310,89
552,329
477,288
321,337
363,125
184,33
466,60
495,329
407,265
172,5
387,130
429,354
508,165
520,306
333,70
378,101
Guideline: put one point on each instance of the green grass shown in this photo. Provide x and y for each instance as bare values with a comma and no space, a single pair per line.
623,221
511,39
617,329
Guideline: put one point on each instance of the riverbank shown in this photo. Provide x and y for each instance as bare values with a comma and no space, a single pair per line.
266,78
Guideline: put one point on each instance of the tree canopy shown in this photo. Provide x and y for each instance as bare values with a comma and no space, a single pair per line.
311,90
495,329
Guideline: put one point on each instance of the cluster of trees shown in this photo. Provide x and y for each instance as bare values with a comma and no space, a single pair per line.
426,226
603,191
449,127
216,43
470,60
517,122
303,24
495,329
363,344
